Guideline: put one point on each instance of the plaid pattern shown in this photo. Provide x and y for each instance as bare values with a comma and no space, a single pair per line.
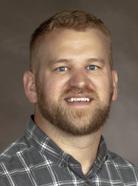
35,160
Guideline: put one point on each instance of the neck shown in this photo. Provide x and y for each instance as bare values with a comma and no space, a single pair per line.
82,148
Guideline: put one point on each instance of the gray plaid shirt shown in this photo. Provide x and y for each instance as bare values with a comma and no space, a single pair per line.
35,160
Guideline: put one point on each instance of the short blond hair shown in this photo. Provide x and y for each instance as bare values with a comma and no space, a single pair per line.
72,19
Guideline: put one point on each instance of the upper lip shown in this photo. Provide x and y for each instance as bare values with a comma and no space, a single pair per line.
78,96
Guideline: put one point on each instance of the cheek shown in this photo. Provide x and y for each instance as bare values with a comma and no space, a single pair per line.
54,88
103,87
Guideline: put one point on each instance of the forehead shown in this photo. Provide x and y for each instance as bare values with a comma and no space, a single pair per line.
66,43
68,36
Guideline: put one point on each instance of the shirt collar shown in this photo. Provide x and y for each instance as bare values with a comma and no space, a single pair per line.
102,155
39,140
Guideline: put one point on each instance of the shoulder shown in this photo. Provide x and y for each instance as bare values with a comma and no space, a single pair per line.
13,162
126,170
10,158
119,161
13,149
9,161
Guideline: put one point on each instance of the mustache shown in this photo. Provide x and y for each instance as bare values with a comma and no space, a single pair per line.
72,91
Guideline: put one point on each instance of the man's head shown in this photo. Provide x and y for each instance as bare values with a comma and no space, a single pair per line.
71,80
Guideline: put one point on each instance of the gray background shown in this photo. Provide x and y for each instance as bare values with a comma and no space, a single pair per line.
18,18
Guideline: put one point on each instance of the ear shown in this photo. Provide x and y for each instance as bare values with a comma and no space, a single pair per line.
115,85
29,86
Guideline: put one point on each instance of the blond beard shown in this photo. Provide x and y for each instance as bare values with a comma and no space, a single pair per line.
74,121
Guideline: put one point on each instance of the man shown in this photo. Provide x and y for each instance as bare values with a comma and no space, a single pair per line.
71,82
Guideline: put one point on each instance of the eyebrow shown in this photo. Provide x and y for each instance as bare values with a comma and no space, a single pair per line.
52,62
64,60
101,60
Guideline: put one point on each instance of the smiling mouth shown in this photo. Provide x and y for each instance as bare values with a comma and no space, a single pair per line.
78,100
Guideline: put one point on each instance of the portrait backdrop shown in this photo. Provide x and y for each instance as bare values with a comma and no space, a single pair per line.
19,18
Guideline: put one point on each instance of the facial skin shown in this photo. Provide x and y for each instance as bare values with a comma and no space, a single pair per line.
75,85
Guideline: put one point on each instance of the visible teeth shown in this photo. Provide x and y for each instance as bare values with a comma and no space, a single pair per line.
79,100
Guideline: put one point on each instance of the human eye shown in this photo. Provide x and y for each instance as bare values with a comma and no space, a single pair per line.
61,69
92,67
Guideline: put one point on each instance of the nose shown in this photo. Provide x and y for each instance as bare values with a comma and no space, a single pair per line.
80,80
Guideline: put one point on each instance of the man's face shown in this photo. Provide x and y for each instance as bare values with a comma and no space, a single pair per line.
75,81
